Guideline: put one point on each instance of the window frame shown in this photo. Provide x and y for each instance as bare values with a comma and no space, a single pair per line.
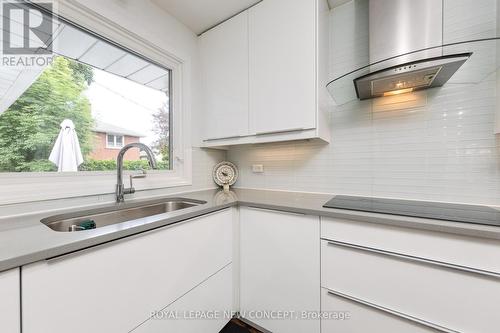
115,136
37,186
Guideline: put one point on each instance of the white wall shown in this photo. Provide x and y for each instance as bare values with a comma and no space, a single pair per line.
443,150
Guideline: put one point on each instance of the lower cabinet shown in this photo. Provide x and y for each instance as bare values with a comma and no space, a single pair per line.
285,279
450,298
117,286
206,308
341,315
397,279
280,270
10,316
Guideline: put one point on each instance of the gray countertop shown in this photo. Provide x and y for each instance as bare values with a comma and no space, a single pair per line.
25,240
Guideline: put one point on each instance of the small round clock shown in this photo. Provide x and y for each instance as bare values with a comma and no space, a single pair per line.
225,174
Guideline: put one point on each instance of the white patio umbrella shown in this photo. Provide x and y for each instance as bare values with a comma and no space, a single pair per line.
66,153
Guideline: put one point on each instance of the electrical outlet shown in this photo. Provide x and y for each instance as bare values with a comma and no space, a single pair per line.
257,168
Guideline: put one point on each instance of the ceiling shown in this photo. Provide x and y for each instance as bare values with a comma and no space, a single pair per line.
201,15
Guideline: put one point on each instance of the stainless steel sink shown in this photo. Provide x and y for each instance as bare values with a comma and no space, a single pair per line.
117,213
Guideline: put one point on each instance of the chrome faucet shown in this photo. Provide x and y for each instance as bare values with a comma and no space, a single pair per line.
120,187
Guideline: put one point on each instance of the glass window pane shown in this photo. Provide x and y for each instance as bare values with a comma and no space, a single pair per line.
103,88
111,140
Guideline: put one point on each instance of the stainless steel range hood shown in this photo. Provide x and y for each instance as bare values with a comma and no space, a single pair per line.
408,77
399,27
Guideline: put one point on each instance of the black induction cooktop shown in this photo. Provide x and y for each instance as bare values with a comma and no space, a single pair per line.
426,209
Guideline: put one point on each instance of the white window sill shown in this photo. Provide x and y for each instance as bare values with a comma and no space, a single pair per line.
19,188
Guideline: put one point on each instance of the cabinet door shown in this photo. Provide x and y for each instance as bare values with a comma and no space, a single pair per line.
282,43
116,287
10,297
224,60
205,309
280,269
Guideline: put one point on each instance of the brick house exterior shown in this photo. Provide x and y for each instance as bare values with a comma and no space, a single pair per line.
109,139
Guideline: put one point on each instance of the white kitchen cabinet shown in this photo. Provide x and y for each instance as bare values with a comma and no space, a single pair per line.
282,66
224,61
471,252
115,287
10,297
286,45
279,269
435,295
206,308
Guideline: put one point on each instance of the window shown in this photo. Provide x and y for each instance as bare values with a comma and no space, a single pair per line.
108,94
115,141
128,81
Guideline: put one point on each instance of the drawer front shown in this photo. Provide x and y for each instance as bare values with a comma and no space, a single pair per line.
476,253
448,298
347,316
207,308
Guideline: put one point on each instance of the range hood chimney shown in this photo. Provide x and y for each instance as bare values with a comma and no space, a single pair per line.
398,27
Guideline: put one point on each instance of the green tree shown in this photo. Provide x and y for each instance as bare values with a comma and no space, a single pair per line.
29,128
161,127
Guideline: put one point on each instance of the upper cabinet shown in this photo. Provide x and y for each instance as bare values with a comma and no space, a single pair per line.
282,66
263,75
224,62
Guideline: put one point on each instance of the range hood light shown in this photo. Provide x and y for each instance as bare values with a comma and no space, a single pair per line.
407,77
398,92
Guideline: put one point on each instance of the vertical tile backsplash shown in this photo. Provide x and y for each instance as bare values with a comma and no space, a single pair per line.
445,151
438,146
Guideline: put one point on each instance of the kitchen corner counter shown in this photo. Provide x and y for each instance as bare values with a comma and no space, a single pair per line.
24,239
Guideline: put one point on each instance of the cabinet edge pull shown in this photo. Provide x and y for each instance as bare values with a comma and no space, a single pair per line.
224,138
275,210
392,312
298,129
416,259
282,131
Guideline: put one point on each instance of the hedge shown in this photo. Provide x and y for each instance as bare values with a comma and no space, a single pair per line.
110,165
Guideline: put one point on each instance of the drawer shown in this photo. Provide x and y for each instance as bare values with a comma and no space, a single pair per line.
362,318
448,298
476,253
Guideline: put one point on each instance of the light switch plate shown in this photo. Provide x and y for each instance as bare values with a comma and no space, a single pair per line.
257,168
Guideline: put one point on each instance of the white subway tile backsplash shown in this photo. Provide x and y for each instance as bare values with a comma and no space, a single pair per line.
466,19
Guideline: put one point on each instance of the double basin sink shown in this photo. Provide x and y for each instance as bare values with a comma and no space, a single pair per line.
114,214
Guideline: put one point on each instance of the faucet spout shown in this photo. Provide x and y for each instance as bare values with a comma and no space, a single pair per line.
120,187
